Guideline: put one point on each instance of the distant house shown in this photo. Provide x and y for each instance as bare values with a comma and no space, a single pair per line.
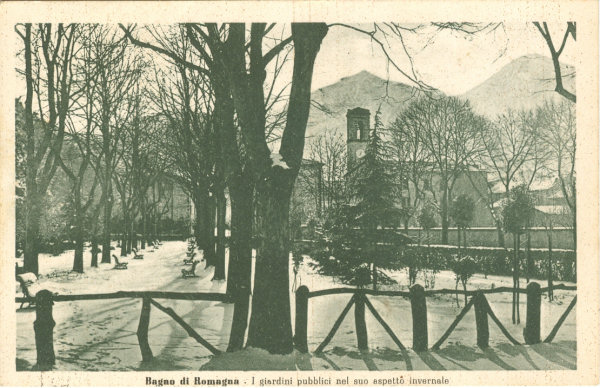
307,200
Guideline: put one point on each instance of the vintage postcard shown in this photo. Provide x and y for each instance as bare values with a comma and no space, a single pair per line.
299,193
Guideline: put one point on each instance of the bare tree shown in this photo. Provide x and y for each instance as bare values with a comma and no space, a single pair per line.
413,163
48,54
118,71
555,54
235,60
329,150
81,131
558,133
184,101
449,131
510,146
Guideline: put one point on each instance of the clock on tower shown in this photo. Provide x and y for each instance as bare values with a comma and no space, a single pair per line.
358,124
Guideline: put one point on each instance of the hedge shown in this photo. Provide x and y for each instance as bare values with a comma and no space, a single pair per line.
489,261
497,261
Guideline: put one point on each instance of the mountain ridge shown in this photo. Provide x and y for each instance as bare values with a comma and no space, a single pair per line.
523,83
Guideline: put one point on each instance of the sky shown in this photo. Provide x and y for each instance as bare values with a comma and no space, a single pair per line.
445,60
451,62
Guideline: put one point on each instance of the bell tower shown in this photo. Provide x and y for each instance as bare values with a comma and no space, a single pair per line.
357,131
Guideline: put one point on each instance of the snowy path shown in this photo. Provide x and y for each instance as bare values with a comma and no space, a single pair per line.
101,335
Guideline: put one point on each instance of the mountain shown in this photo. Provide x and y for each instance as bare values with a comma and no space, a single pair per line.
524,83
365,90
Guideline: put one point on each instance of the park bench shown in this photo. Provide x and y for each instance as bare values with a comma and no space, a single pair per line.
28,283
136,255
190,259
190,273
19,270
119,265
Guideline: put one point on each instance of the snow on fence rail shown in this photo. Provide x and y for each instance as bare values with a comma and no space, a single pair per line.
44,323
418,300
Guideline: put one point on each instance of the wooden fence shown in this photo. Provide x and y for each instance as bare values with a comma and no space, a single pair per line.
418,299
44,322
43,325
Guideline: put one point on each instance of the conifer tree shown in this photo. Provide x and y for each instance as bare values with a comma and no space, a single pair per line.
356,241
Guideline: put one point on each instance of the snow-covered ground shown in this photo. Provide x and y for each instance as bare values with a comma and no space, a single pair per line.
101,335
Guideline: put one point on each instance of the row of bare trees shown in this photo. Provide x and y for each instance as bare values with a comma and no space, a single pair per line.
84,115
436,142
205,108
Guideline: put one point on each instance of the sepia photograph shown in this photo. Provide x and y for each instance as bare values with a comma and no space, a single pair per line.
296,196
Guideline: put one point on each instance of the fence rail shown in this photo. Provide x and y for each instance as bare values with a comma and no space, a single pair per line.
407,294
44,322
208,296
418,299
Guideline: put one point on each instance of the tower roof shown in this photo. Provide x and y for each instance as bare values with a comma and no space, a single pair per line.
358,111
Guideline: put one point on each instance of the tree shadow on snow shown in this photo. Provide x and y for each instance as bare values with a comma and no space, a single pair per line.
323,357
493,357
554,353
252,359
430,361
457,352
371,356
514,351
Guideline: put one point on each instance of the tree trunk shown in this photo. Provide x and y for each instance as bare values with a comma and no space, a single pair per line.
134,239
458,237
32,234
106,229
144,227
220,256
514,294
517,274
204,214
33,201
94,248
199,225
528,261
129,238
374,276
270,323
574,228
78,259
240,262
501,241
211,224
444,214
549,274
125,234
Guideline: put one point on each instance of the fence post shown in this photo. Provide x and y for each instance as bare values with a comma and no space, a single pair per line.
301,325
418,305
359,320
142,331
531,333
481,320
44,327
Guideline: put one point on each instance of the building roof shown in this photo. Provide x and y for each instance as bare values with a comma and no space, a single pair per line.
552,209
358,111
311,162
